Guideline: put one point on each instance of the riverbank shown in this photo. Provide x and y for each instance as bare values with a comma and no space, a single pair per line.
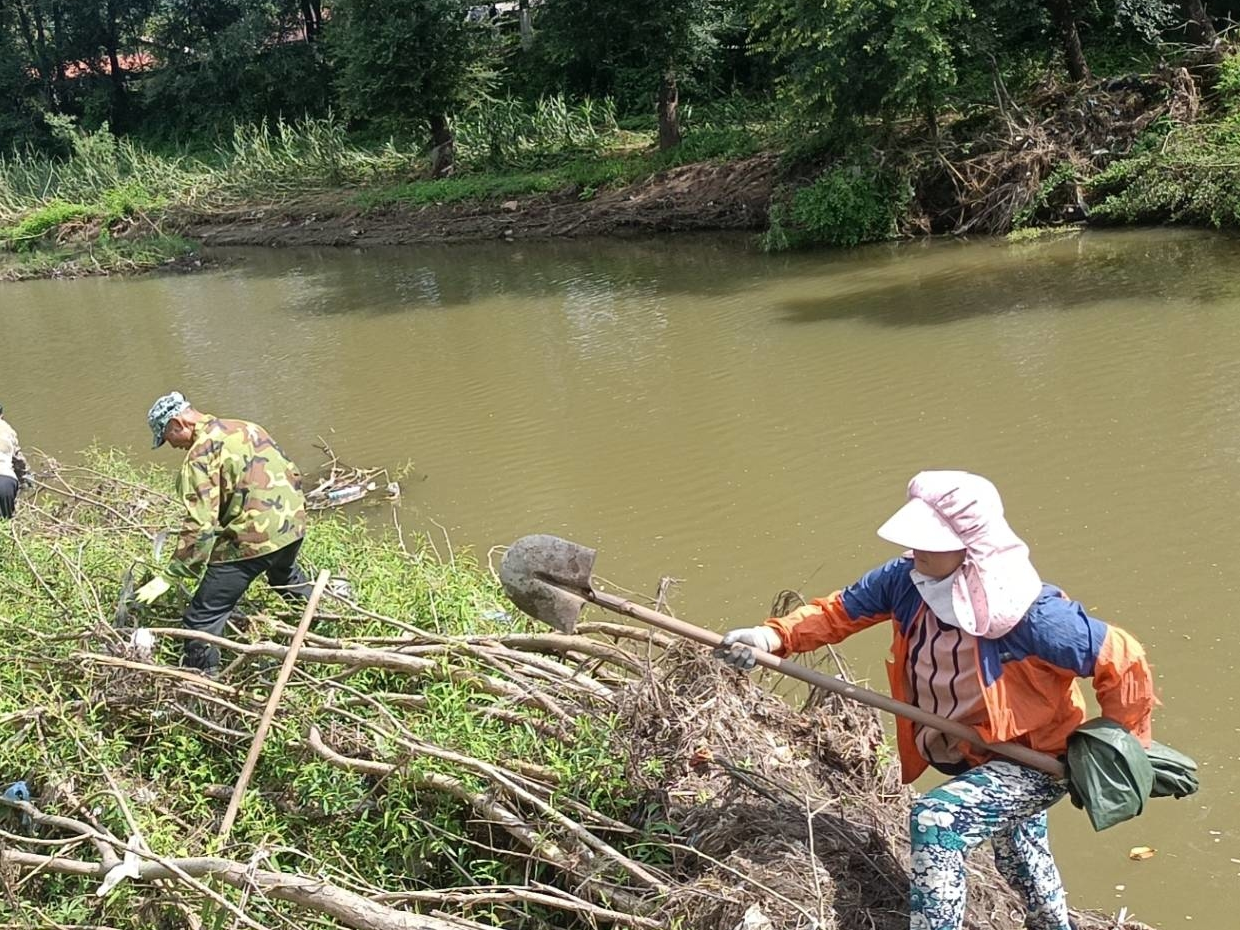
1149,148
434,758
723,195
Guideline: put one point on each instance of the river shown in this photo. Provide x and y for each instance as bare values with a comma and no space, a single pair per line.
743,423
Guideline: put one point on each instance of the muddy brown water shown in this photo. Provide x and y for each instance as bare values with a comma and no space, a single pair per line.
744,423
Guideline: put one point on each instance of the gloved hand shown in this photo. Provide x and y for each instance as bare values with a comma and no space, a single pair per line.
738,646
26,481
154,589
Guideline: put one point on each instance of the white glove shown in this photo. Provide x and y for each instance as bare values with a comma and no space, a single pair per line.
154,589
738,646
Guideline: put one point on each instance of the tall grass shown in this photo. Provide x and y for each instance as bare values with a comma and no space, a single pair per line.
287,158
267,160
511,133
97,164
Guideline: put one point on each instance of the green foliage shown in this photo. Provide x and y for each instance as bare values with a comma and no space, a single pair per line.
403,61
845,206
849,59
1191,176
726,128
1146,18
93,31
234,84
1063,173
582,174
220,68
622,49
104,255
21,123
22,235
99,163
1227,84
583,177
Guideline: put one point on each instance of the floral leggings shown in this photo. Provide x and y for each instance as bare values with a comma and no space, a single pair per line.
1000,801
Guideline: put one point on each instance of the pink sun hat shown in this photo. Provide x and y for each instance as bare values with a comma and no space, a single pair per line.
952,510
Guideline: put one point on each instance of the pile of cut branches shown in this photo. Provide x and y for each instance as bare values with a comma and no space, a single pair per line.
433,764
1031,163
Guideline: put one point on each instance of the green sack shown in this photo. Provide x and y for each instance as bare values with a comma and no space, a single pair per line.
1110,775
1175,774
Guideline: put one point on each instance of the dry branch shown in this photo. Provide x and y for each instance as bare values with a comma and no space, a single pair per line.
313,894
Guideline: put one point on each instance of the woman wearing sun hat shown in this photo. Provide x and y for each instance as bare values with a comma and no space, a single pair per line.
978,638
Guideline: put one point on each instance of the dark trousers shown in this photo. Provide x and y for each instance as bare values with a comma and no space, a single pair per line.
8,497
222,587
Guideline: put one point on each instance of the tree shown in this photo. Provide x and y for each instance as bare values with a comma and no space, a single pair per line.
1064,15
401,61
312,18
222,63
98,33
21,122
31,20
651,44
849,59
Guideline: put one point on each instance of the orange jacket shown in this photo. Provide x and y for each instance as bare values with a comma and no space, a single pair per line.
1028,675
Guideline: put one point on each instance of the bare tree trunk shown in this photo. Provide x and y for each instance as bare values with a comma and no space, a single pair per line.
114,65
312,18
526,23
58,31
36,44
1200,26
1065,19
27,32
932,118
443,148
669,114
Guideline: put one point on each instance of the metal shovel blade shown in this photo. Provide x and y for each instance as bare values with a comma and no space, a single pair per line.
537,569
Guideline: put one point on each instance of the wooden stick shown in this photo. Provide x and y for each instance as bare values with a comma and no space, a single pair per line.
260,736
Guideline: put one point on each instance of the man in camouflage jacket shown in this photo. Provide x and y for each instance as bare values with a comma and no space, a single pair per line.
244,516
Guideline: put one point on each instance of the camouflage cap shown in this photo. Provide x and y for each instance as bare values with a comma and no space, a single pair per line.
162,411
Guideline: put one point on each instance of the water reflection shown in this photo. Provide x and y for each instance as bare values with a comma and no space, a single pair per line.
949,281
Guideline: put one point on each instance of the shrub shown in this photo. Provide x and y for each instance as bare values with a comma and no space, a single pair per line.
845,206
1193,176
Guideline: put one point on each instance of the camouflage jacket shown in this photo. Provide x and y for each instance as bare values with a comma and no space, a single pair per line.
242,496
12,462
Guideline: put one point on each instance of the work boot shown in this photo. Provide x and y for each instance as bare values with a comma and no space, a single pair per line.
200,657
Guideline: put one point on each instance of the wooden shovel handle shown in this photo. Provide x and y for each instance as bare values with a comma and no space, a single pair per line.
1022,754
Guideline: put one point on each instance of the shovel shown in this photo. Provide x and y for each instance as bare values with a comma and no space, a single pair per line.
549,579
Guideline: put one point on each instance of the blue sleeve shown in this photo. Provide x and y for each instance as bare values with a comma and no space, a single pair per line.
877,592
1058,631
